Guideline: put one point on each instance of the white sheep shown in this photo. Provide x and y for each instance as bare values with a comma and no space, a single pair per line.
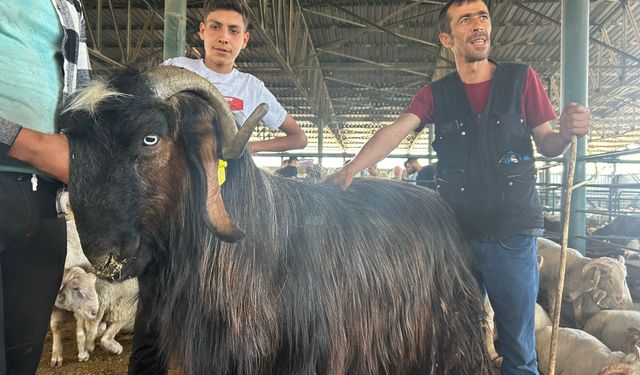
601,281
117,310
114,311
579,353
617,329
77,294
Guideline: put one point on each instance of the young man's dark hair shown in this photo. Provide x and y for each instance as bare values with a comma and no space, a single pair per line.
443,17
234,5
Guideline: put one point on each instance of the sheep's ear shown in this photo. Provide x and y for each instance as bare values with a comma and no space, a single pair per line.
201,150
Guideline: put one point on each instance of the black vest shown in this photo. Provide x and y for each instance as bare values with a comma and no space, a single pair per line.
486,169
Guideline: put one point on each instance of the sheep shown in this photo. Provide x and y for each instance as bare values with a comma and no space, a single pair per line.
75,258
601,281
616,329
580,353
118,303
77,294
263,275
100,309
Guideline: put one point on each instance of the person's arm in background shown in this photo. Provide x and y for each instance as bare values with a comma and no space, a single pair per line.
48,153
377,148
294,138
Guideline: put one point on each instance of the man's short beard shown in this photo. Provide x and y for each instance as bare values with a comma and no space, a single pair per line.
476,57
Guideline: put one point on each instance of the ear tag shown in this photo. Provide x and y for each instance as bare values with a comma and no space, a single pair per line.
222,166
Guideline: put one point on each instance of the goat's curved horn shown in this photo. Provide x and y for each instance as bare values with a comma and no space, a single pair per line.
616,368
233,150
605,263
170,80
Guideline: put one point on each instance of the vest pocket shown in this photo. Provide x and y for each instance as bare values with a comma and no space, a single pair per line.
452,142
518,198
456,190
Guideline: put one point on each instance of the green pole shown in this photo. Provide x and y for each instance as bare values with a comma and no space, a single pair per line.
575,79
175,28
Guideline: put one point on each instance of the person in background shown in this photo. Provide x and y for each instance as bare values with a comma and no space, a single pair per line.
38,70
290,168
427,176
485,116
398,173
421,176
373,170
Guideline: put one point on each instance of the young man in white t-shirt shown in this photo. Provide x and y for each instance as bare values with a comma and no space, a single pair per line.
224,32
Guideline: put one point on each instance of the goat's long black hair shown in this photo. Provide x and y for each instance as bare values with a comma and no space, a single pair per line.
372,281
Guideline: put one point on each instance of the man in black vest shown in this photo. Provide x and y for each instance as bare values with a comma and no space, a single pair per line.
485,116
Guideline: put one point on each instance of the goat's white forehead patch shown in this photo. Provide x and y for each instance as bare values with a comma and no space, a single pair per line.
88,98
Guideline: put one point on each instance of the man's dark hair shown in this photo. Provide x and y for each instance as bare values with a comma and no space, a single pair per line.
443,17
233,5
409,160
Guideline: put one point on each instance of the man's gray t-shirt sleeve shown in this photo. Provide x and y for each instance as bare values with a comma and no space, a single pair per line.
8,133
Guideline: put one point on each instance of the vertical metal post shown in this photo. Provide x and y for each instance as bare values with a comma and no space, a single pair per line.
99,26
129,26
175,28
320,141
575,80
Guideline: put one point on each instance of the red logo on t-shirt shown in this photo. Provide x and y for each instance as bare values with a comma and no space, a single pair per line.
236,104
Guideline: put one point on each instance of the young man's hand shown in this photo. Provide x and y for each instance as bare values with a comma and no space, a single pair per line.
574,120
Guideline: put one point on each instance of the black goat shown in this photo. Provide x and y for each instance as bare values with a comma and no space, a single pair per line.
372,281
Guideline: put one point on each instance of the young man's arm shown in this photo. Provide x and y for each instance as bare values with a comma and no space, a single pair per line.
294,138
574,120
377,148
48,153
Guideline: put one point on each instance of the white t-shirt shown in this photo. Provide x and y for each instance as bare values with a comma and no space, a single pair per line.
243,91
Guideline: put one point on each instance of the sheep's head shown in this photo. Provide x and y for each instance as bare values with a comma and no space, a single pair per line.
609,288
138,143
78,293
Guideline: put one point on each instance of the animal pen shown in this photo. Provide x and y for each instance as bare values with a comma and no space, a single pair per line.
611,196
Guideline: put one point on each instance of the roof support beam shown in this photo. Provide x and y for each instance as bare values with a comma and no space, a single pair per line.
376,26
592,39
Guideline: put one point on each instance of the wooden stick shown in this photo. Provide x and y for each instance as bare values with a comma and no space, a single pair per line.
563,256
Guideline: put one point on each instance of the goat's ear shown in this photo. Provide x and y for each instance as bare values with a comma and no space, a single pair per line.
200,143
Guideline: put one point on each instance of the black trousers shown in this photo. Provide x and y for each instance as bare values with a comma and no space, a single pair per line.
32,252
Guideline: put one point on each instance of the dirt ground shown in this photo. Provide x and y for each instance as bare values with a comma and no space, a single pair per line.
100,362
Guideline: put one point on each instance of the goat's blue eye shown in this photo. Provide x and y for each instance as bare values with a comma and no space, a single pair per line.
150,140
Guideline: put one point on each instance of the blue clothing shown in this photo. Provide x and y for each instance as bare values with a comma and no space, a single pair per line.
27,29
508,270
31,66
